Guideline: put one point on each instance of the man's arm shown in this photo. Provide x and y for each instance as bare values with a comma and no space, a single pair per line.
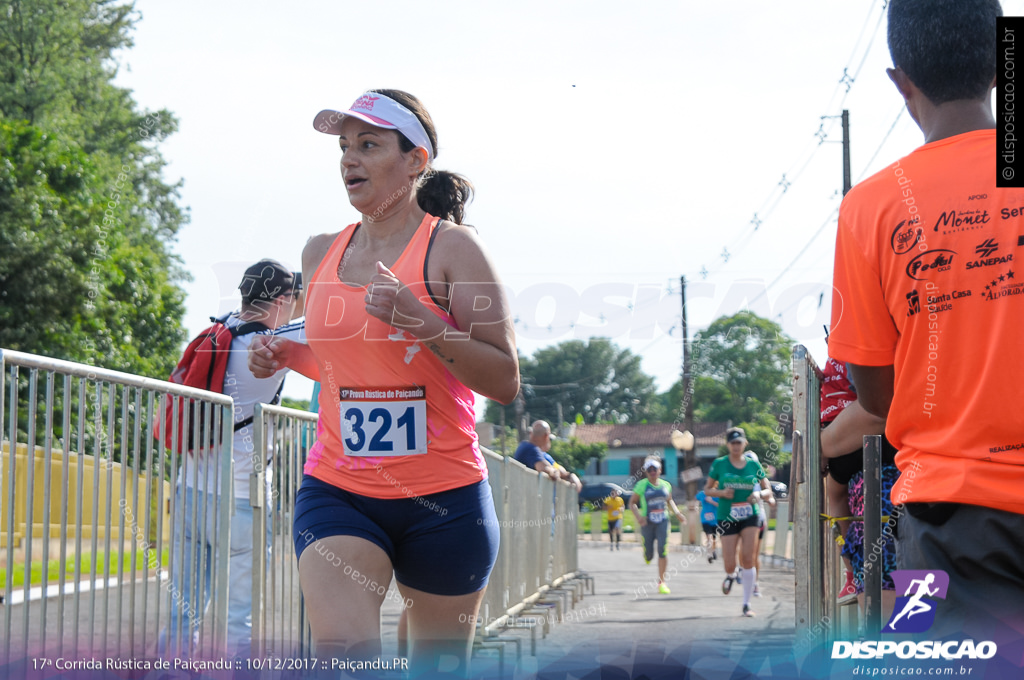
846,433
545,468
874,387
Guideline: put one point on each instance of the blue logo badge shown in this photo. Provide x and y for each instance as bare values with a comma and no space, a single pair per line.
915,611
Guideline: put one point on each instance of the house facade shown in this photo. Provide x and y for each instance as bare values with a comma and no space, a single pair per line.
629,445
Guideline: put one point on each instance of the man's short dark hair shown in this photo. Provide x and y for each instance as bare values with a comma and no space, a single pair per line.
946,47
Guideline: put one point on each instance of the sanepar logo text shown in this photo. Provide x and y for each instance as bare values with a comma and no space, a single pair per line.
927,649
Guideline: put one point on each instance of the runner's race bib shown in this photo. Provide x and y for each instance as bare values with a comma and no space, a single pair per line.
741,511
656,517
709,518
384,421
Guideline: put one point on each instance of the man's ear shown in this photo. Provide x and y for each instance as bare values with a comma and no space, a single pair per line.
902,82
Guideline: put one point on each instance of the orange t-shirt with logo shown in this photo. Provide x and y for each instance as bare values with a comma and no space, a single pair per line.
393,422
929,278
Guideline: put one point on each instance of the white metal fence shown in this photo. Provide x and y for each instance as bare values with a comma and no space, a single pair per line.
88,500
87,505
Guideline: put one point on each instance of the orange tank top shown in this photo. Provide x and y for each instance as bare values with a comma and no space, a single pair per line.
394,423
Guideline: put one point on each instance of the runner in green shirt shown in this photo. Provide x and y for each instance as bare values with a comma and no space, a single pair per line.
651,497
737,482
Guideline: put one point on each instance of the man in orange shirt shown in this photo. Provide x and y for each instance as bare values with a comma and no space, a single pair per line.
928,310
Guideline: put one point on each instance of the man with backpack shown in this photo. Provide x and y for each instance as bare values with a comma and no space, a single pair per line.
217,361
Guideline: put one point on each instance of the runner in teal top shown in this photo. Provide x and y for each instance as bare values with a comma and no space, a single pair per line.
650,500
737,482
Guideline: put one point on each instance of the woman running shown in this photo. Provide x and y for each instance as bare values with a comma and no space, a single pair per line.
737,482
400,338
651,497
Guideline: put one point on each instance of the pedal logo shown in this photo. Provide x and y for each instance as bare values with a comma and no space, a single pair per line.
915,610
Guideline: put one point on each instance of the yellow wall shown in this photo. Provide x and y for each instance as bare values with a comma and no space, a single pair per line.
134,508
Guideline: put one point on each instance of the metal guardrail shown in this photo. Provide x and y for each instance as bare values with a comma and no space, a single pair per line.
111,585
819,617
69,418
282,437
538,553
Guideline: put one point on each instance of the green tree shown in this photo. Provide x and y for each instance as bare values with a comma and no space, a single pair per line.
574,455
743,361
298,404
86,219
595,380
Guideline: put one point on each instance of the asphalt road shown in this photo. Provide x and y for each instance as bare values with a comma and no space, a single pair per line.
627,629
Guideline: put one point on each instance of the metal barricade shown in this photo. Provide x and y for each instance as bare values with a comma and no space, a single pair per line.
538,552
819,617
814,571
78,441
283,437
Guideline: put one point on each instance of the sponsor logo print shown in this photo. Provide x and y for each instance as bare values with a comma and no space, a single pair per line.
999,287
986,248
365,102
1007,213
905,236
913,302
939,260
952,221
977,197
915,610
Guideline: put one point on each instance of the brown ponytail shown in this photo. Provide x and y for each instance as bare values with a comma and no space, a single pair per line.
440,192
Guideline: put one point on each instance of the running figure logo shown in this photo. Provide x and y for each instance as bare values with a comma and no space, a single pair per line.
914,612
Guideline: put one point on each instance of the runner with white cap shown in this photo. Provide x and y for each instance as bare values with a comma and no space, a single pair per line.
399,337
651,497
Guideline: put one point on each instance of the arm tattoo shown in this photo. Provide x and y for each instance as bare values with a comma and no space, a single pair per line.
437,351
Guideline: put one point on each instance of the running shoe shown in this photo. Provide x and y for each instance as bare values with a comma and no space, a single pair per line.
739,577
848,593
714,555
757,591
711,557
663,589
747,611
727,585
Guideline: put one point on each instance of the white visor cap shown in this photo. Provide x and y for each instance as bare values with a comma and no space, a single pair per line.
379,111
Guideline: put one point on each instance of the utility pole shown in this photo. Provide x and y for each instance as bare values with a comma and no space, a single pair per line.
690,459
847,181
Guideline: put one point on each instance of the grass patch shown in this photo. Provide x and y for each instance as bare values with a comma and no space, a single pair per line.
81,565
629,525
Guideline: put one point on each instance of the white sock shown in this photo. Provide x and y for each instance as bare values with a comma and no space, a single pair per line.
748,583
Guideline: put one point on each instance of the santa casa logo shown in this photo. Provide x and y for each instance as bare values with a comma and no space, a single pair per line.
915,610
913,302
365,102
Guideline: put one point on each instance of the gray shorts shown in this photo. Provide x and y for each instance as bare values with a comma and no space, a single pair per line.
652,532
982,551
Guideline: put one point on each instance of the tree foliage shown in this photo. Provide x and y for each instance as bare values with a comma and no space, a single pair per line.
86,220
574,455
593,381
743,362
